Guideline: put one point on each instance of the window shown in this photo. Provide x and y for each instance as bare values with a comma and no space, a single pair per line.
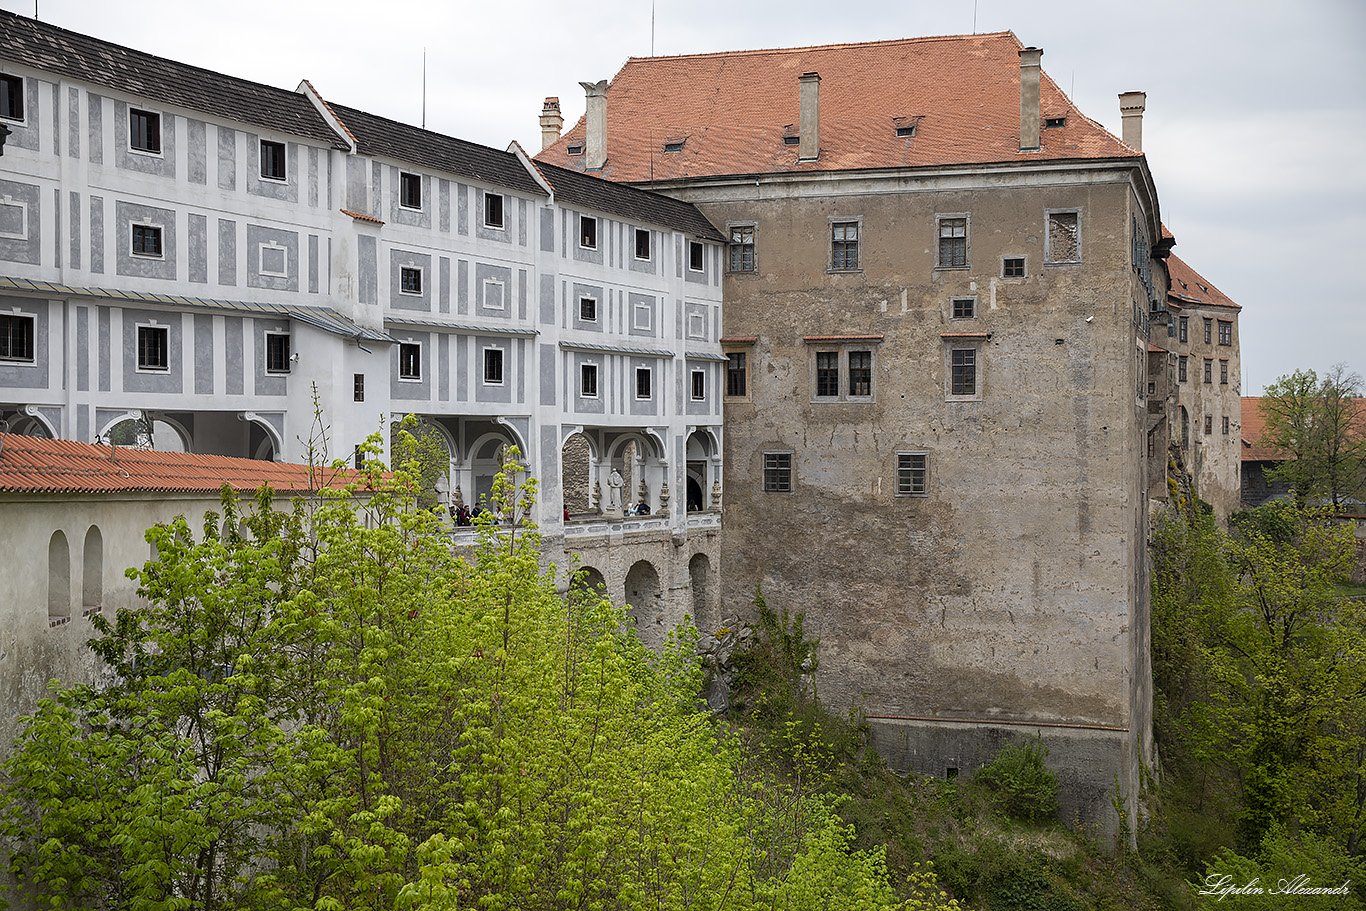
144,131
358,387
272,160
694,256
588,309
1209,328
963,371
777,472
1225,332
410,190
1053,123
736,374
493,366
953,243
146,240
1012,267
643,377
154,348
588,232
588,381
16,337
642,243
964,308
860,373
1223,372
409,361
742,248
277,352
844,245
493,210
1225,426
674,146
12,98
1181,369
1185,328
409,280
699,385
905,132
13,218
1171,325
1209,370
1209,424
912,471
1063,238
827,374
574,150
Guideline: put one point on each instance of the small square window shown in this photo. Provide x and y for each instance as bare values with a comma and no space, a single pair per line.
642,243
273,160
695,260
409,280
1053,123
410,190
588,309
154,348
358,387
588,232
144,131
912,474
736,374
699,385
16,337
742,248
963,366
12,98
146,240
953,242
588,381
277,352
644,375
1223,372
573,150
965,308
1209,424
905,132
493,366
673,146
1225,332
1063,239
1209,370
493,210
777,472
1012,267
409,361
827,374
844,253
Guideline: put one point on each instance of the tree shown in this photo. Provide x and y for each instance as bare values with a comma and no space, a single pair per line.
1320,424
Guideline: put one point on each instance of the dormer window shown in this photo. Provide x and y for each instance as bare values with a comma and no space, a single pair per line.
576,149
905,132
1053,123
674,146
792,140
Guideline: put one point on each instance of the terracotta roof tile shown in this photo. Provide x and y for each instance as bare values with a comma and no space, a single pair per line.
962,93
361,216
1255,449
1189,286
36,465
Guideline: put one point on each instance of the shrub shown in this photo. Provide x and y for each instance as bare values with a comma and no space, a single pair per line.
1028,789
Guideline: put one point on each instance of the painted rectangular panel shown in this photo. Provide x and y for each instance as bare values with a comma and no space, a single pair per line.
57,227
547,230
376,188
521,294
501,392
547,300
312,177
399,260
197,151
521,222
501,235
25,135
272,258
203,354
267,383
227,252
368,266
73,122
233,356
97,234
286,190
169,380
357,190
158,164
20,223
104,359
94,115
548,358
83,432
74,228
575,306
402,215
443,354
462,368
492,290
462,209
444,205
650,405
412,390
199,249
551,476
594,404
82,349
127,214
642,315
521,367
312,264
444,276
462,286
227,160
678,257
56,118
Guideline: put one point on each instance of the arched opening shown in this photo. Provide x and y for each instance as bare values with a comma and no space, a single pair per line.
425,445
576,460
58,580
92,572
700,574
643,604
701,448
588,582
145,433
486,461
695,497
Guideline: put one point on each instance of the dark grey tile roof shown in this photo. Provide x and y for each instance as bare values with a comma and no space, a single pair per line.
628,202
391,139
76,56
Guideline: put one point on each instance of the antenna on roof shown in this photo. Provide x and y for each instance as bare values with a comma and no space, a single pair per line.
424,88
652,27
974,17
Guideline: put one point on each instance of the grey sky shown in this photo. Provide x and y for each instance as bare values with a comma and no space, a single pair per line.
1255,128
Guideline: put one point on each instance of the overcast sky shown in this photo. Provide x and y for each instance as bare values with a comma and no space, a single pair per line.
1255,129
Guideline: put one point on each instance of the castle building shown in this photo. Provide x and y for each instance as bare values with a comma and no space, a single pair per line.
208,254
946,288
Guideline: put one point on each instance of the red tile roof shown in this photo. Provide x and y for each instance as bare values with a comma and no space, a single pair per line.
1254,428
732,110
36,465
1189,286
361,216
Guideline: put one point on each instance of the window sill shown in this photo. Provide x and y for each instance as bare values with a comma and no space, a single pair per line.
277,372
844,271
160,256
153,370
410,379
147,153
1063,262
952,268
19,362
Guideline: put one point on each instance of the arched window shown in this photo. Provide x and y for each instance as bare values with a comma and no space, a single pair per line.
92,572
58,580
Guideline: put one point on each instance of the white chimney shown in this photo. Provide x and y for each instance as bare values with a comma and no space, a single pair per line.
551,122
1131,106
1029,98
595,143
809,126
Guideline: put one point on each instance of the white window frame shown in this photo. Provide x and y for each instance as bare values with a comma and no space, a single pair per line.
584,298
161,234
161,144
502,211
502,301
137,347
284,160
18,361
421,279
858,241
288,357
650,373
693,376
23,95
22,206
597,379
502,365
649,311
584,219
1048,242
699,246
401,179
274,247
908,454
697,326
417,378
939,219
649,245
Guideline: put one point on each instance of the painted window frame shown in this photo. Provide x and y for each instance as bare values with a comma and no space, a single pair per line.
697,381
494,365
647,375
588,309
283,362
949,221
644,241
649,311
11,90
159,234
495,207
22,206
697,254
407,183
502,294
142,360
779,471
273,247
279,159
149,119
700,320
410,361
404,272
1049,257
912,473
10,359
588,232
588,380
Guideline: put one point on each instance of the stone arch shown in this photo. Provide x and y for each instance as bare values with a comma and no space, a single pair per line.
92,571
701,467
589,582
58,579
644,602
130,429
485,458
703,580
576,472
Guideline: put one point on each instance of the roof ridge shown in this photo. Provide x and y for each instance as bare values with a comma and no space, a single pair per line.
821,47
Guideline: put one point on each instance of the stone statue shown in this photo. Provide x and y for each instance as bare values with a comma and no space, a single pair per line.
614,485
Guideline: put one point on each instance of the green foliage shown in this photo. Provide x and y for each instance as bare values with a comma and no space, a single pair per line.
1320,424
420,448
1028,788
1280,874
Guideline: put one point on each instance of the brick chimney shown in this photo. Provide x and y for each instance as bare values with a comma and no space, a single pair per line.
1029,98
809,126
551,122
595,143
1131,105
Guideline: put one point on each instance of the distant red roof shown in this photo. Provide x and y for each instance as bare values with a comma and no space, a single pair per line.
1254,428
728,113
36,465
1189,286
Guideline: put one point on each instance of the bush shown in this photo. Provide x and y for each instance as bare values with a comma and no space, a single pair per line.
1028,789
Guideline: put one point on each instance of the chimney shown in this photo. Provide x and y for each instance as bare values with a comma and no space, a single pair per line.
595,143
1029,98
551,122
1131,105
809,125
